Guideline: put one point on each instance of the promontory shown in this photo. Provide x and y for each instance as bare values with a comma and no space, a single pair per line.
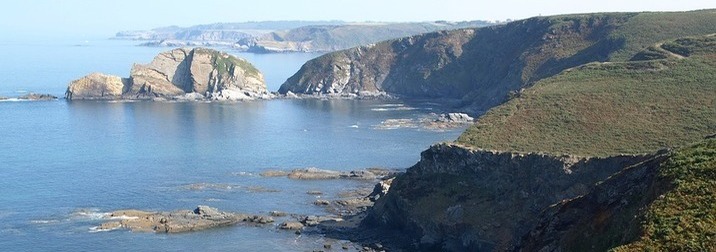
183,74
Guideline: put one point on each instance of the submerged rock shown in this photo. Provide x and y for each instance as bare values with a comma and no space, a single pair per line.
37,97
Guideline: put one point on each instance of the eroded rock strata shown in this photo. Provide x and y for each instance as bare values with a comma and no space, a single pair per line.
458,198
182,73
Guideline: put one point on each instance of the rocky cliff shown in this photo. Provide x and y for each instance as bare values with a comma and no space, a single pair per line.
328,38
197,73
458,198
480,67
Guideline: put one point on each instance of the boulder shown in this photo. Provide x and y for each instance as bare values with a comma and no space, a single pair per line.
291,225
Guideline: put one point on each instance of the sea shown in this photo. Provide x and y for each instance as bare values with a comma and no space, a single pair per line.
65,165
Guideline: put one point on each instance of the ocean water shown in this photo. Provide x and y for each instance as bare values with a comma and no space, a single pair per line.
63,164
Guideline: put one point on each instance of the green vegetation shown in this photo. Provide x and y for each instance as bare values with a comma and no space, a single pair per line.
684,219
608,108
649,28
225,62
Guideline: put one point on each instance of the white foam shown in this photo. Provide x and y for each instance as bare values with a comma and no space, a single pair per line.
123,217
389,105
354,126
44,221
98,229
392,109
91,214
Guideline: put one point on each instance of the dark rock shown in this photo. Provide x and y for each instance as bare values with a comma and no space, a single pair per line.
37,97
451,181
291,225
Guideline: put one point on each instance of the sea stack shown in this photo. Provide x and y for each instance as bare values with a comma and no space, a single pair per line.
183,73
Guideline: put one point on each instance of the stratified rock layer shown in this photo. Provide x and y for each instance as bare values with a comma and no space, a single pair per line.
458,199
182,73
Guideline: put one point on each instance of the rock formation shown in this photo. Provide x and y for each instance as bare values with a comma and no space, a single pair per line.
182,73
457,198
203,217
476,69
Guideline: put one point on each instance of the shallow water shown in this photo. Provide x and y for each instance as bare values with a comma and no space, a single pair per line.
63,164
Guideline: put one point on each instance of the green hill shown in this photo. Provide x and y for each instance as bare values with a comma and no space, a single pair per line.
609,108
477,68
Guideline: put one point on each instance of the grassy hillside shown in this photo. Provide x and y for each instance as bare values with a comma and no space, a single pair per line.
684,218
607,108
479,67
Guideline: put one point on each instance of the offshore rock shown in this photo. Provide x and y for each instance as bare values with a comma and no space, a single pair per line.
97,86
203,217
183,73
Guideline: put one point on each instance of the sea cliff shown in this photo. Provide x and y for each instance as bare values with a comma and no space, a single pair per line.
182,73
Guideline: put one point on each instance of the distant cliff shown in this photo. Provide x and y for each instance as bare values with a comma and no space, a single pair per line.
183,73
289,36
479,68
328,38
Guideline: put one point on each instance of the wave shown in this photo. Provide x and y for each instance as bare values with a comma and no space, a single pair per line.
389,105
393,109
90,214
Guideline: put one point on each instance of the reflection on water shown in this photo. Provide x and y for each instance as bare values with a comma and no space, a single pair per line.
62,156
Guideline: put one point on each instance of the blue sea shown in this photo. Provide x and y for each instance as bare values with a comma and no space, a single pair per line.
63,164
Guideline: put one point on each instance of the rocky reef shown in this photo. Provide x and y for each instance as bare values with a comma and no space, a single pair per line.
183,73
458,198
203,217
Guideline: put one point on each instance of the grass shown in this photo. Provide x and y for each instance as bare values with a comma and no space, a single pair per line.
684,219
602,109
225,62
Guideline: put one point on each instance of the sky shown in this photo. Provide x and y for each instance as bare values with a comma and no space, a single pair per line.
104,18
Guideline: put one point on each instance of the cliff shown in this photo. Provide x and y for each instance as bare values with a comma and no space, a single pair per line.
289,36
328,38
480,67
458,198
531,197
197,73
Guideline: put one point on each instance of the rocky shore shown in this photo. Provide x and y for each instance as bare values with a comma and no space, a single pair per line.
203,217
31,97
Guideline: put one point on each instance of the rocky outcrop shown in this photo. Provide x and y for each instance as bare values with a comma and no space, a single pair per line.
182,73
313,173
457,198
477,68
603,218
97,86
203,217
37,97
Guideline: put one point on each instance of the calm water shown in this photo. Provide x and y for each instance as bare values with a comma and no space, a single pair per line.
63,163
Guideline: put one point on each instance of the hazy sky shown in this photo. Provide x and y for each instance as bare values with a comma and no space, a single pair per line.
104,18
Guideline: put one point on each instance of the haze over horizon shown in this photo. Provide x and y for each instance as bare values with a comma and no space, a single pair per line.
83,18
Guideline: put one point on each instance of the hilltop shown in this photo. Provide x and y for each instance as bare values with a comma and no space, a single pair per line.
289,36
475,69
610,108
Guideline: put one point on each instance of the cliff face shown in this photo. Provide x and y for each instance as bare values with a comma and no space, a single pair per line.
327,38
481,66
203,73
607,216
458,198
